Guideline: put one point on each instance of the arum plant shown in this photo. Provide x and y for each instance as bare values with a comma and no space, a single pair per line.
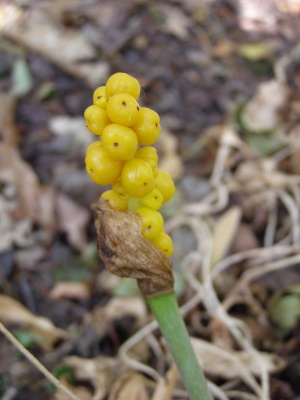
130,229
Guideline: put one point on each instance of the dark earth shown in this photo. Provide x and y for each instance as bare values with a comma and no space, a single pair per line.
187,56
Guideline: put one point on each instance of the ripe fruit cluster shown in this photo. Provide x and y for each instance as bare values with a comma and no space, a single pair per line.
124,158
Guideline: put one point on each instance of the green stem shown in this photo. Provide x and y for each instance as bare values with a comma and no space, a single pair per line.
166,310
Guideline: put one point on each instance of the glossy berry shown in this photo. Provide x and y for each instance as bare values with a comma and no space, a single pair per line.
152,224
153,200
101,169
114,201
165,184
123,109
148,126
164,243
155,171
119,142
117,160
137,178
122,83
99,97
149,154
134,203
96,119
120,191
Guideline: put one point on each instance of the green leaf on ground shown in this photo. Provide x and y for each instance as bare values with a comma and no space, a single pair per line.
26,338
60,371
72,270
126,288
22,80
262,145
284,308
64,369
46,90
256,51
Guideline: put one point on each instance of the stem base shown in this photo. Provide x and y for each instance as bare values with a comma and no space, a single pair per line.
166,310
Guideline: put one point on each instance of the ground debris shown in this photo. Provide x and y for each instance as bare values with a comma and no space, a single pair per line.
224,76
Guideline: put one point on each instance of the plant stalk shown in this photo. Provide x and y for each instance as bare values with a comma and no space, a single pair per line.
166,310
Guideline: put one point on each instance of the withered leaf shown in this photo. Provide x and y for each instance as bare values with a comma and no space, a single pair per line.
130,385
101,372
13,312
126,253
8,129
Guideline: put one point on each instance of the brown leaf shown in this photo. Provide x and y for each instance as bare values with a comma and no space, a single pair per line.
224,232
101,318
30,257
13,228
245,239
223,49
291,7
13,312
37,31
72,126
36,201
170,161
72,219
126,253
42,209
295,161
130,385
71,290
165,387
244,365
81,392
8,130
252,16
119,307
176,22
262,111
102,372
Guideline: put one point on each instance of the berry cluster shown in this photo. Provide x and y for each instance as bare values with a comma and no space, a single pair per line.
124,157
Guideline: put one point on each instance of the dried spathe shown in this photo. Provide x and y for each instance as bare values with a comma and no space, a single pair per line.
126,253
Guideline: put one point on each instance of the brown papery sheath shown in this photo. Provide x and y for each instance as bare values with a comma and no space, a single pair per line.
126,253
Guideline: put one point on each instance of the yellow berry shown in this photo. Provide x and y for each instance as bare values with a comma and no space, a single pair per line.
120,191
96,119
101,169
164,243
148,126
137,178
165,184
119,142
155,171
152,224
149,154
134,203
114,201
153,200
123,109
99,97
122,83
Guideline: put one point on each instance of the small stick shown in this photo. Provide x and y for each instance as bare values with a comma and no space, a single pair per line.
37,363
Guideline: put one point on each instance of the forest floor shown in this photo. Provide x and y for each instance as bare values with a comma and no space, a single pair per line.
224,76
